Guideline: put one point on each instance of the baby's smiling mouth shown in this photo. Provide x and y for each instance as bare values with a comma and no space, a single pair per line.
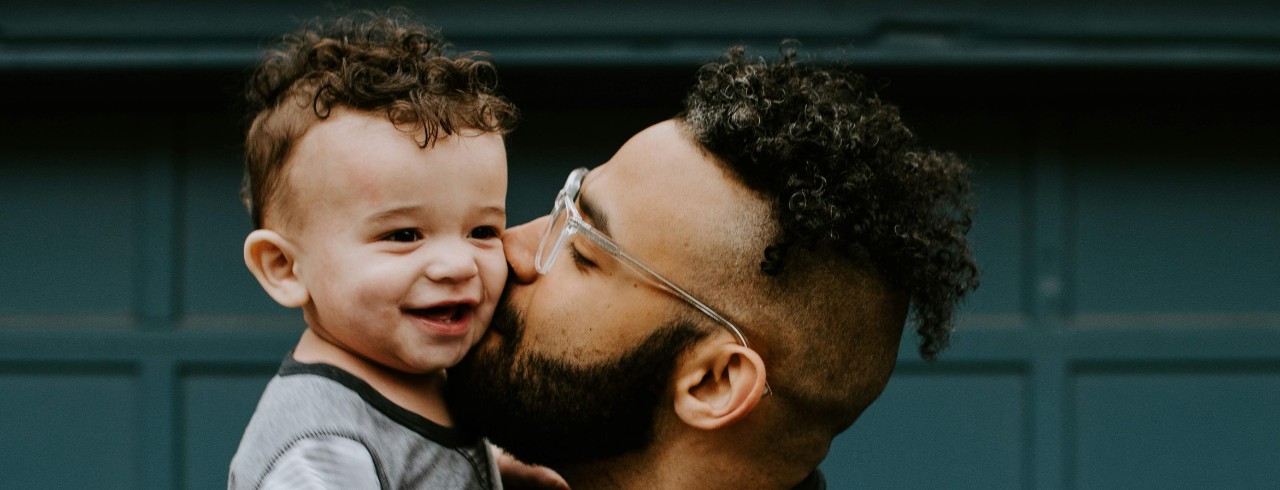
446,314
443,313
446,319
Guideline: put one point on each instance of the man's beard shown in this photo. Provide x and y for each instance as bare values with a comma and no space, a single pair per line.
550,412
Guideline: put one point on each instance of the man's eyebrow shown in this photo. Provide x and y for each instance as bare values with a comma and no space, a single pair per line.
598,219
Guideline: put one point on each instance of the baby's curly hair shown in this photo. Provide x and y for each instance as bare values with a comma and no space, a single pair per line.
844,173
371,62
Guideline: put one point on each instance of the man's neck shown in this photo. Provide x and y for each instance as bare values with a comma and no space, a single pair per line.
631,471
693,464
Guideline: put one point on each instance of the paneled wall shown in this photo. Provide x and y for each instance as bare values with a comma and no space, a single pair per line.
1126,335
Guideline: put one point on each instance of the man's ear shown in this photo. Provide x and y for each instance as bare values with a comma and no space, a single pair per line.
270,258
718,385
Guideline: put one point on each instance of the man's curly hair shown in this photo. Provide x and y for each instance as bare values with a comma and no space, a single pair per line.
843,173
377,62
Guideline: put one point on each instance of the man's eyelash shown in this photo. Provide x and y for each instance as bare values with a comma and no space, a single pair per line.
580,260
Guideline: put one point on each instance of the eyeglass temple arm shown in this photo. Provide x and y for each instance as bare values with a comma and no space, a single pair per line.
613,249
662,281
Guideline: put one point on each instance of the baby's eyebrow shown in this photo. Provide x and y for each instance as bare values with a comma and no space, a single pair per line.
498,210
389,214
397,212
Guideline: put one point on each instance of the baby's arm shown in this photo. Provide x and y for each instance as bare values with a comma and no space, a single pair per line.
517,475
326,461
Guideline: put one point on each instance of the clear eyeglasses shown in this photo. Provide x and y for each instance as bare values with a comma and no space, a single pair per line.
566,221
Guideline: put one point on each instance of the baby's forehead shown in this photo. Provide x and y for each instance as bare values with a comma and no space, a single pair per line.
357,165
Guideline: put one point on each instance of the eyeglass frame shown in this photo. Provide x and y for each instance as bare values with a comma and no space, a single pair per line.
566,201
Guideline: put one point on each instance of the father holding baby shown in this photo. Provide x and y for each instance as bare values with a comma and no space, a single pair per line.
708,309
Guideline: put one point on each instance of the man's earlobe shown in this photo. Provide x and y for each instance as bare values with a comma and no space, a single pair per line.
719,385
270,257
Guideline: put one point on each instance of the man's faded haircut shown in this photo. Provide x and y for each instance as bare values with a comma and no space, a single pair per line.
374,62
844,173
868,227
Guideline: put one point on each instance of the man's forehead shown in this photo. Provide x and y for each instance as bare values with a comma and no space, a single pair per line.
660,190
658,161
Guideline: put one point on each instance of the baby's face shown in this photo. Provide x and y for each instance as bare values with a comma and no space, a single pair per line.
399,246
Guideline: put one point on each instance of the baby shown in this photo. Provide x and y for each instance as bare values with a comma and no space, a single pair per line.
376,177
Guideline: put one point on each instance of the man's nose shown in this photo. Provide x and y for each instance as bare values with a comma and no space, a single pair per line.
521,244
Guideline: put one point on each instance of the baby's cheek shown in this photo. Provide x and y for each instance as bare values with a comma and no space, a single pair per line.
374,297
493,272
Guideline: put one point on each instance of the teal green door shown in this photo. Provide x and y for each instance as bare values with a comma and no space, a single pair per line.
1126,334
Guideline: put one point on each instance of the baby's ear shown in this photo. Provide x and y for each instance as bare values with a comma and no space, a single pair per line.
270,258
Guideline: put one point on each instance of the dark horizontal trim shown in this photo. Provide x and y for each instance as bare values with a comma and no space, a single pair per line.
1206,321
130,34
288,321
904,52
1163,367
1179,320
968,345
93,345
1078,345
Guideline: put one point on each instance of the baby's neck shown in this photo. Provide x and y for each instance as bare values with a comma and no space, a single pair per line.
422,394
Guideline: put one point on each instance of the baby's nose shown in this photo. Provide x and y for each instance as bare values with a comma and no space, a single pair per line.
453,264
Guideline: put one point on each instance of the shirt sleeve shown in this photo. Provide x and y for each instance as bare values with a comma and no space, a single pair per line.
323,462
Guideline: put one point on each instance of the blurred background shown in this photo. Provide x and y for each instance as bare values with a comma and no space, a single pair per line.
1126,334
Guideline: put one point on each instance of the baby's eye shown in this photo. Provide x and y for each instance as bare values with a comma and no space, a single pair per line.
404,235
484,233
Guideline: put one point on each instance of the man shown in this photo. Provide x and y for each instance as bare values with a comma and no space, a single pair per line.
713,305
